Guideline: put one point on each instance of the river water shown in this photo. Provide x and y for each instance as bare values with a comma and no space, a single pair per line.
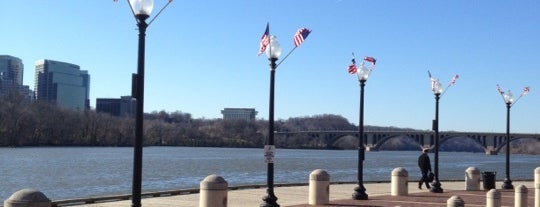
78,172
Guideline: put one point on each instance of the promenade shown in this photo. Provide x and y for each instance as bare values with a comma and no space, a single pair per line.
340,195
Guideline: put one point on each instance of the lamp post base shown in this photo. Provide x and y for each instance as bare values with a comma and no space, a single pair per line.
269,200
436,187
507,184
360,193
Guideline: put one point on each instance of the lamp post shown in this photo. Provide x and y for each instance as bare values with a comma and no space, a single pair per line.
437,91
360,190
270,200
141,9
508,99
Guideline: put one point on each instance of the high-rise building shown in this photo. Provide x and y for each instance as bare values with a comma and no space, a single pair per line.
124,106
63,84
11,77
239,114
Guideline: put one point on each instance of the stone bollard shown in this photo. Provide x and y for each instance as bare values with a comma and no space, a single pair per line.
493,198
319,187
472,179
400,182
455,201
520,196
537,187
27,198
213,192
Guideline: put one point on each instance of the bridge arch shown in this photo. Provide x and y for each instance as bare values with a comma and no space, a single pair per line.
513,139
384,139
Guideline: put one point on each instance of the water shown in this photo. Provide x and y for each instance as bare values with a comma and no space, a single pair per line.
74,172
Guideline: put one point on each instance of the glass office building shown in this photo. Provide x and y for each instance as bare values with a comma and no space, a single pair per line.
11,77
63,84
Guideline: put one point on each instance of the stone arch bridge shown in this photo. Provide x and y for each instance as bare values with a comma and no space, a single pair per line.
491,142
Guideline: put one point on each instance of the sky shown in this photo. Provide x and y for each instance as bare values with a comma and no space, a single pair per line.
201,56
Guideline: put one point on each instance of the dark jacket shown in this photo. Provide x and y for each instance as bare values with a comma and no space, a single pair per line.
424,163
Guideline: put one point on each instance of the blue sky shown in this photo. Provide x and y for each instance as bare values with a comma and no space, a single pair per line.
201,56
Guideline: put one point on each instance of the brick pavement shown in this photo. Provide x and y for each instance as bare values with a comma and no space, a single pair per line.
428,199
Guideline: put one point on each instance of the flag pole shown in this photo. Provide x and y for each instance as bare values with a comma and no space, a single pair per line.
517,100
286,56
168,2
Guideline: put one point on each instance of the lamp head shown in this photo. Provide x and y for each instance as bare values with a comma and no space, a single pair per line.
436,87
274,49
363,72
142,7
508,97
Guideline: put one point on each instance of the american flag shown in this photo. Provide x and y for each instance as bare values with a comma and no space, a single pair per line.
265,39
300,36
352,67
500,89
370,59
525,91
453,81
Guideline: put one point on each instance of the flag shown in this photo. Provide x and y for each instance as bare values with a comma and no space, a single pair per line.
372,60
453,81
429,74
525,91
300,36
265,39
500,89
352,67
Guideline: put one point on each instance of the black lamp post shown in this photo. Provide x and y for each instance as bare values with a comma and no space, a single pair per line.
141,9
360,190
508,99
437,90
270,200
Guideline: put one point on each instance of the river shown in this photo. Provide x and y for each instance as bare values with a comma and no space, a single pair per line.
78,172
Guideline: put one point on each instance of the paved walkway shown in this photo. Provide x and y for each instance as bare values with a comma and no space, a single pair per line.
340,195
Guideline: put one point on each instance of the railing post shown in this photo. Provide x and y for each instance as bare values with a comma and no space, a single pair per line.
319,187
27,198
455,201
520,196
400,182
493,198
537,187
213,192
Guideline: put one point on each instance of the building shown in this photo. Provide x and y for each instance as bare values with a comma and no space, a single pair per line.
239,114
63,84
11,77
123,106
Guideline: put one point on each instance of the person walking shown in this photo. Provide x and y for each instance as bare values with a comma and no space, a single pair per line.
425,166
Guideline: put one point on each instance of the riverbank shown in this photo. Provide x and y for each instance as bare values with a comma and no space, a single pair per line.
298,195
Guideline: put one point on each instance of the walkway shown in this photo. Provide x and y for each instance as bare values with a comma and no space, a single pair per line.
340,195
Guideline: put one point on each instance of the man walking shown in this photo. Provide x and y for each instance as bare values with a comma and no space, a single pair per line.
425,167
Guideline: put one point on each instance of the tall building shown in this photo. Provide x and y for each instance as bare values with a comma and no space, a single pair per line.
123,106
63,84
11,77
239,114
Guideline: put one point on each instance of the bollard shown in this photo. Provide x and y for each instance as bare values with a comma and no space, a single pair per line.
400,182
472,179
493,198
537,187
27,198
319,187
520,196
455,201
213,192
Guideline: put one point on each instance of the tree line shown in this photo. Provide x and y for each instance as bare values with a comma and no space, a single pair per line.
38,123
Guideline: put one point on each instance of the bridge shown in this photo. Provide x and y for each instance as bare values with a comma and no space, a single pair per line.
491,142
